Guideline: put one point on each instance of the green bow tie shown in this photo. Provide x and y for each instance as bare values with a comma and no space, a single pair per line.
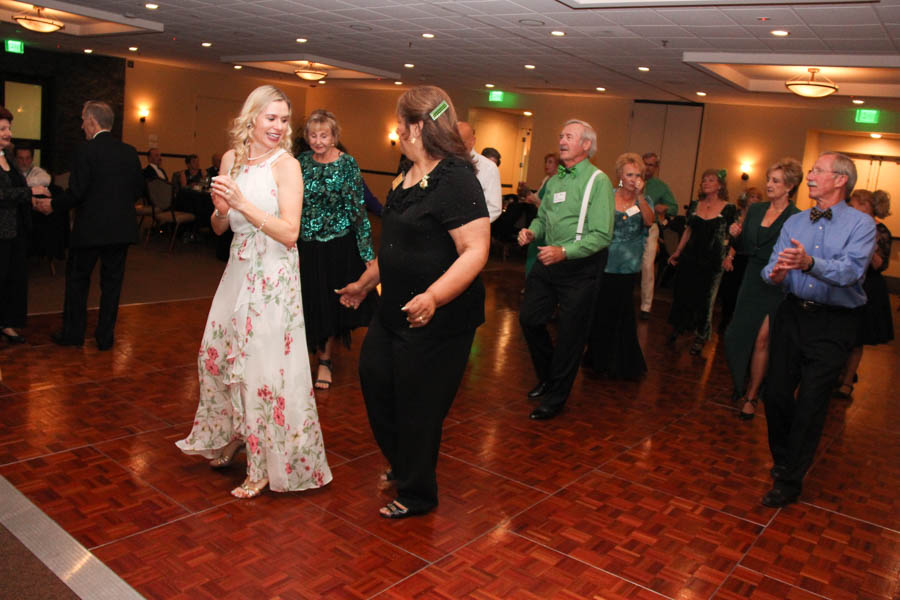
563,171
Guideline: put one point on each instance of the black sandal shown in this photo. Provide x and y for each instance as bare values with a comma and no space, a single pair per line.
746,416
324,384
395,510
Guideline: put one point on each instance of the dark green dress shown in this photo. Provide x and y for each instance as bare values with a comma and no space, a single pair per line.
756,298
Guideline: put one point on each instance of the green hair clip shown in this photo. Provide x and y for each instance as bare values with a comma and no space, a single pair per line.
439,110
721,173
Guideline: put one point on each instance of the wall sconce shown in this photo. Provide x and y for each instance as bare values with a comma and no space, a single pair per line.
745,171
393,137
143,113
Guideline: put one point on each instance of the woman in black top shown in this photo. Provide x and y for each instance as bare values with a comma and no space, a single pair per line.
15,221
435,240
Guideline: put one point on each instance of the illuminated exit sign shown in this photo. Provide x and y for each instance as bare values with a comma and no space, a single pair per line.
15,46
495,96
867,115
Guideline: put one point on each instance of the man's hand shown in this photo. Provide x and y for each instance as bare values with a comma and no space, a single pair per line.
526,236
549,255
794,258
42,205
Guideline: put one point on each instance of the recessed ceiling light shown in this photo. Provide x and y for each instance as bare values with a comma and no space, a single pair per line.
875,136
88,51
529,66
302,40
780,33
132,48
238,67
409,65
398,83
601,89
527,113
321,82
206,44
557,33
644,69
858,101
531,22
701,93
428,36
359,27
762,18
489,85
151,6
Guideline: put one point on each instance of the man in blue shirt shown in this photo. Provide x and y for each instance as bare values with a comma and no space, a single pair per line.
575,221
820,260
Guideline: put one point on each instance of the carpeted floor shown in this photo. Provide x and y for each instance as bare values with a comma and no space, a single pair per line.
25,577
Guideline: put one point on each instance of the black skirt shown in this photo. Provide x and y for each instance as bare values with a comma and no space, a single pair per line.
613,348
325,267
876,323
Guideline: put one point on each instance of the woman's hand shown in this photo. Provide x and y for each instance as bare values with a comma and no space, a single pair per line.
352,294
735,229
420,309
228,189
673,260
638,184
728,263
40,190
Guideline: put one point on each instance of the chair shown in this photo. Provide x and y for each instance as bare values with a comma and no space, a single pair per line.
160,194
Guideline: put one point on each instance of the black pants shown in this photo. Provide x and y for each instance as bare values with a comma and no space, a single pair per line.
409,379
807,352
79,267
572,285
13,282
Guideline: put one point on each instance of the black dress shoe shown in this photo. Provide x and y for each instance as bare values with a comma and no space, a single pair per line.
13,339
645,315
778,471
61,340
777,497
542,413
539,390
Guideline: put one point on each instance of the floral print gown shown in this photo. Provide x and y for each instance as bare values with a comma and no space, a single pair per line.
254,373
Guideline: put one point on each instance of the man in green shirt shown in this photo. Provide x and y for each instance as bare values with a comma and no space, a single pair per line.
575,221
663,202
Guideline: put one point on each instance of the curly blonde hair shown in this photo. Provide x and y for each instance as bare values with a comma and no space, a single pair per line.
881,203
629,158
242,127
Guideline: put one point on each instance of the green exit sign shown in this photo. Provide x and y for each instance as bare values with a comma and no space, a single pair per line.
15,46
867,115
495,96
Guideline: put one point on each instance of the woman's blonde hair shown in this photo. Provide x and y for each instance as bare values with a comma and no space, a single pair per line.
629,158
793,174
881,203
323,118
242,126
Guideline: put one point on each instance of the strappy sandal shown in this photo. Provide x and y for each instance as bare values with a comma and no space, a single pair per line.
227,456
249,489
395,510
844,391
746,416
324,384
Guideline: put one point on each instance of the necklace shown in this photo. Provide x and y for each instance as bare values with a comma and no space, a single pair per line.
261,155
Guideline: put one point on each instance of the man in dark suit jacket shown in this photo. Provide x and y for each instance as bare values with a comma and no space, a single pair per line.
154,169
104,184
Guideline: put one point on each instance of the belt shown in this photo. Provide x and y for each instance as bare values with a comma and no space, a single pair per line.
810,306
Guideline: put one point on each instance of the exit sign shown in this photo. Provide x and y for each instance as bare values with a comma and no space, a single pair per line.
867,115
495,96
15,46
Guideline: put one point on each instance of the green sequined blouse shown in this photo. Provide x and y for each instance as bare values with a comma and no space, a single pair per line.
333,203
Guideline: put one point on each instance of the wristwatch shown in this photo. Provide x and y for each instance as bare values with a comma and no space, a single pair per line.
812,262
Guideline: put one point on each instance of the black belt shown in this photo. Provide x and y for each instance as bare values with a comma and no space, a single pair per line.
810,306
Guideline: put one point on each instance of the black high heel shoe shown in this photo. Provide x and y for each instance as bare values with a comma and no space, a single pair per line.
13,338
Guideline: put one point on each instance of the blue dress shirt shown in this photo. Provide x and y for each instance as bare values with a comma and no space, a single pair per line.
842,248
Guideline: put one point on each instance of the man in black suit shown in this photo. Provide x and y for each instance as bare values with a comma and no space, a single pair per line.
104,184
154,169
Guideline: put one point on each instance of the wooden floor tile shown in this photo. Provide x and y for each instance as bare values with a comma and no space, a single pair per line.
744,584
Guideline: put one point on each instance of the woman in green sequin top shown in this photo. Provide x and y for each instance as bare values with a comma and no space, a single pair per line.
335,241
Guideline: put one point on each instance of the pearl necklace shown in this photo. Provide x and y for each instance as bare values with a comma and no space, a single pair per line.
263,155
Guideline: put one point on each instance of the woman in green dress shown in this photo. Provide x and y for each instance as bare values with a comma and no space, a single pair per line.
747,336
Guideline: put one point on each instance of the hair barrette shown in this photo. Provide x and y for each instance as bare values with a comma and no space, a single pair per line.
439,110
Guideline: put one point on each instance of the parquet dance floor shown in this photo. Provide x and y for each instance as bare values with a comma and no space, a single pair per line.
638,490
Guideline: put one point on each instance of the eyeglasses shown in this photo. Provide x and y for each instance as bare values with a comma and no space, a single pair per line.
818,171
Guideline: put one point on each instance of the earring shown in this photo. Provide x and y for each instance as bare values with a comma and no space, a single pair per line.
412,139
620,183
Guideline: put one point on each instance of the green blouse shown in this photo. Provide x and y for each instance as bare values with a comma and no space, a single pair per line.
333,204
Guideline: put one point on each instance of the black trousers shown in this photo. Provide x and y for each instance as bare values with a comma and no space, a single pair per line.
572,285
807,352
79,267
409,379
13,282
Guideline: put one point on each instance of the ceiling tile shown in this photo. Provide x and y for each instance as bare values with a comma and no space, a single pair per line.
697,16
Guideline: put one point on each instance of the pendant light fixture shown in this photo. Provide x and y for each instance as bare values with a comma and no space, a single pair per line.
37,21
810,87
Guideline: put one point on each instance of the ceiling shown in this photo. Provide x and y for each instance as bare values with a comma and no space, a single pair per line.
489,41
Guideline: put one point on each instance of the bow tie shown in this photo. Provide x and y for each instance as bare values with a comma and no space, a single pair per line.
562,171
815,214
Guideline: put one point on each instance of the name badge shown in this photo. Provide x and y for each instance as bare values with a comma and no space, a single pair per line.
632,210
559,197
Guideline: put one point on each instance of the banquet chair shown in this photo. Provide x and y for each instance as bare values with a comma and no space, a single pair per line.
160,194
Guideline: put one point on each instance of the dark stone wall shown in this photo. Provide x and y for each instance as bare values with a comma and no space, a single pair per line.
69,80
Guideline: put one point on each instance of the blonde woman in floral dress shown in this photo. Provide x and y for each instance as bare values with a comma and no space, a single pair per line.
255,384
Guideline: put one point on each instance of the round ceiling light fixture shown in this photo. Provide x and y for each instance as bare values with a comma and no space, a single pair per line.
810,87
36,21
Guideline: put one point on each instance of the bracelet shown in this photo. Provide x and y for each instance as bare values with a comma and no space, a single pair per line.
219,215
263,224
